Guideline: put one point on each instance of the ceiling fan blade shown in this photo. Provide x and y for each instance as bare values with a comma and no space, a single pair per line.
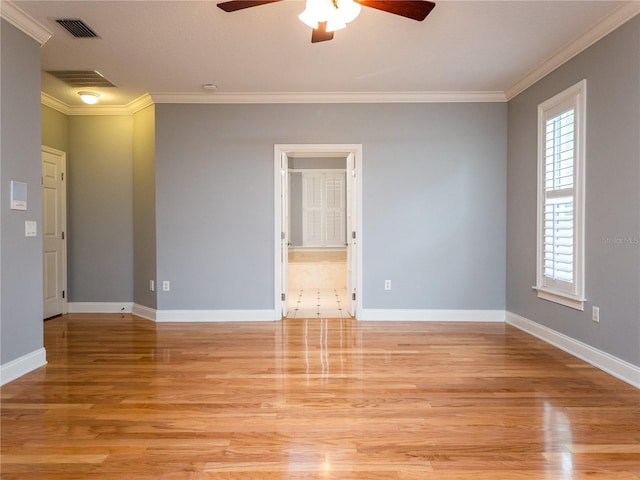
234,5
414,9
320,34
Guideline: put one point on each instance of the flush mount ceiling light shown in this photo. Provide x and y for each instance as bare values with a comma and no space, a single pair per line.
327,16
89,98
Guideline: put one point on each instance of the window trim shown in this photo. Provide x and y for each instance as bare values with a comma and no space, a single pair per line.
575,97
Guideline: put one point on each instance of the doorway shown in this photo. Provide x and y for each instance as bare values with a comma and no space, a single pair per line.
54,221
319,246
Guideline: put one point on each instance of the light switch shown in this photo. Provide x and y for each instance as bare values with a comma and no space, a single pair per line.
30,228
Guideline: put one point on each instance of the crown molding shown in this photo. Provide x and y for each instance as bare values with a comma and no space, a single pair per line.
24,22
330,97
263,98
100,110
52,102
129,109
614,20
139,103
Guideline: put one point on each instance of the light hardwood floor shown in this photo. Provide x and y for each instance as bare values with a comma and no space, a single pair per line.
125,398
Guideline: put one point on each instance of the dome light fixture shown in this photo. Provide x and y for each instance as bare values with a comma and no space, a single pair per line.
89,98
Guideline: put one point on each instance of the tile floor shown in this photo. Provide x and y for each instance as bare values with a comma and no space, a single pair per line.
318,303
318,284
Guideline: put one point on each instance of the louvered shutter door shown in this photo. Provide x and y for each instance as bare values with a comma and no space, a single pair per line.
312,193
323,209
334,211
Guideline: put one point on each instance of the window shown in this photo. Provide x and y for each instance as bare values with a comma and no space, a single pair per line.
560,252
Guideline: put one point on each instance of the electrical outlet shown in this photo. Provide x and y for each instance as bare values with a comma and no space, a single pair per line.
595,314
152,285
387,284
166,286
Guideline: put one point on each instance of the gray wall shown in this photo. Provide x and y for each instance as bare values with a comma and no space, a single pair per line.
612,278
100,210
20,159
434,189
144,206
55,129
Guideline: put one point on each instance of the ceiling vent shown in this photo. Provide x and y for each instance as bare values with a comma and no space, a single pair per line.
77,27
81,78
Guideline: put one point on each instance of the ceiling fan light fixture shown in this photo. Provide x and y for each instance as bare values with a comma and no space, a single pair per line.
309,18
90,98
348,10
337,13
334,24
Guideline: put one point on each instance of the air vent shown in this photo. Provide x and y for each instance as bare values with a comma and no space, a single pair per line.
81,78
77,27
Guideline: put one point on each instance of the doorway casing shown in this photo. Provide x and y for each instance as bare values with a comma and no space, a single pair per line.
353,153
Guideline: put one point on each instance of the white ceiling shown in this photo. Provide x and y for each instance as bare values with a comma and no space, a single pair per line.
171,48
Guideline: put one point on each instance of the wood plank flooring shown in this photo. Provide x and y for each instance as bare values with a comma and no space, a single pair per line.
125,398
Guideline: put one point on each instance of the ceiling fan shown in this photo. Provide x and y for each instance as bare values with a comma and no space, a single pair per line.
327,16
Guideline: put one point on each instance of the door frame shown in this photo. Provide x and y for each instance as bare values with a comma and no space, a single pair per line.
63,220
282,151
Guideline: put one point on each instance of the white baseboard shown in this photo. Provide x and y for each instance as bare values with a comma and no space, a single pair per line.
215,315
23,365
144,312
410,315
175,315
100,307
612,365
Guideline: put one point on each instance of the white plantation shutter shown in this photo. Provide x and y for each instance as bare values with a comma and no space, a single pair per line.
560,197
312,206
558,241
335,211
323,209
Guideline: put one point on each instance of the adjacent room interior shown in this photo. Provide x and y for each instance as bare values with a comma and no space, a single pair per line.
317,233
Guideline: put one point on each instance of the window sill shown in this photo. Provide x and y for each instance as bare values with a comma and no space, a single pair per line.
561,298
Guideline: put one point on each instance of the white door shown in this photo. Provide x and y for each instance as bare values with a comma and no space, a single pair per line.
54,259
284,234
352,235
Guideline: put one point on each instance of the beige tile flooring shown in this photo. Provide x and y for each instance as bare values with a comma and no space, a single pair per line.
318,284
318,303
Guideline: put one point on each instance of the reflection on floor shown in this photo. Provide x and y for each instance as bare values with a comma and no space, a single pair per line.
318,284
318,303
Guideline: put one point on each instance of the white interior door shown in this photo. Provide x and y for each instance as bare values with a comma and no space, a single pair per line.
284,235
352,234
54,259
